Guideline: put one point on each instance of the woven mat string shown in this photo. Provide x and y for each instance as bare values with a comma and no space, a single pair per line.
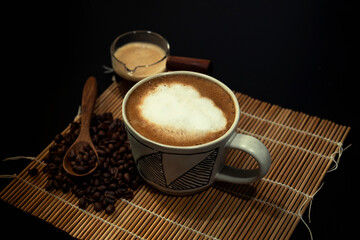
18,158
309,211
108,69
335,157
8,176
78,114
23,157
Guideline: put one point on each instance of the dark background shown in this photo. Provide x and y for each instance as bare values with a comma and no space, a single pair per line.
296,54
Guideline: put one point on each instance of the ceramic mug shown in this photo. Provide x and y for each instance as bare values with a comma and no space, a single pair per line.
182,170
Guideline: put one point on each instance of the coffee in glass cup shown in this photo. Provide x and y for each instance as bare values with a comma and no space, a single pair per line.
139,54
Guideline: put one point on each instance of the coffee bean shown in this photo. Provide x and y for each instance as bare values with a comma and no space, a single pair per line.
96,195
114,171
80,193
106,181
122,150
109,194
120,192
121,168
128,194
109,200
65,188
106,165
106,175
96,182
56,184
110,209
127,177
101,188
112,186
134,184
98,206
33,172
122,162
113,161
52,166
111,146
101,133
82,203
58,138
88,189
129,156
109,116
80,169
93,130
49,185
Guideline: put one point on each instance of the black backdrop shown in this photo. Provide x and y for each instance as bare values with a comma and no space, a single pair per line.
295,54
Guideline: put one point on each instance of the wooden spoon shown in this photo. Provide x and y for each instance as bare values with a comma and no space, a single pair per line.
83,141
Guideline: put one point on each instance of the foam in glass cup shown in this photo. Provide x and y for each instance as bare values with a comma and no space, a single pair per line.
138,54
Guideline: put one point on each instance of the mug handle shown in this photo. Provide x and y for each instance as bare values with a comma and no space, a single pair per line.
257,150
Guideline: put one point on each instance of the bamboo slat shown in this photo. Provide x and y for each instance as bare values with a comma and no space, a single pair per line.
303,148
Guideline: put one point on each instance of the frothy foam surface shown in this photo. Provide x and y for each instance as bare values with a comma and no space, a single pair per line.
180,110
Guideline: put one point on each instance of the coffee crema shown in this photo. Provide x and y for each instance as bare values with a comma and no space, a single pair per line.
180,110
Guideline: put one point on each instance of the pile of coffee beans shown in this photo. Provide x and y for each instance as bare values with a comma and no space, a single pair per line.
116,175
82,161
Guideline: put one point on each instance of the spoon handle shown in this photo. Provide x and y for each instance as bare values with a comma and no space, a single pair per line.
89,95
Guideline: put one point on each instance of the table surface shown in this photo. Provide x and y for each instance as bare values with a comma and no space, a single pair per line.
293,54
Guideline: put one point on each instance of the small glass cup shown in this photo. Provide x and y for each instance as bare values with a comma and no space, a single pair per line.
139,71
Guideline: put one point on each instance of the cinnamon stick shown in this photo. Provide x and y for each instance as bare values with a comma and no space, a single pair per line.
175,63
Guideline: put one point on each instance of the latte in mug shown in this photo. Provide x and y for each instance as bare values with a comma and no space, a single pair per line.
180,110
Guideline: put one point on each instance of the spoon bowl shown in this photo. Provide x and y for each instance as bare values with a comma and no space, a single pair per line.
73,165
81,158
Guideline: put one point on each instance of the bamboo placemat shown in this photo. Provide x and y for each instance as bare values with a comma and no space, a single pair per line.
302,148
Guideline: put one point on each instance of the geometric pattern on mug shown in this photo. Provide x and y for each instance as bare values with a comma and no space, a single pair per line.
151,168
197,176
191,176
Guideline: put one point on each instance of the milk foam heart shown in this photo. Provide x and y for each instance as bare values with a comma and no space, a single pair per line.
180,110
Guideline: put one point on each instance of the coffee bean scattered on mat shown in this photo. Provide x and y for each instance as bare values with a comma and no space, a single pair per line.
116,176
33,172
